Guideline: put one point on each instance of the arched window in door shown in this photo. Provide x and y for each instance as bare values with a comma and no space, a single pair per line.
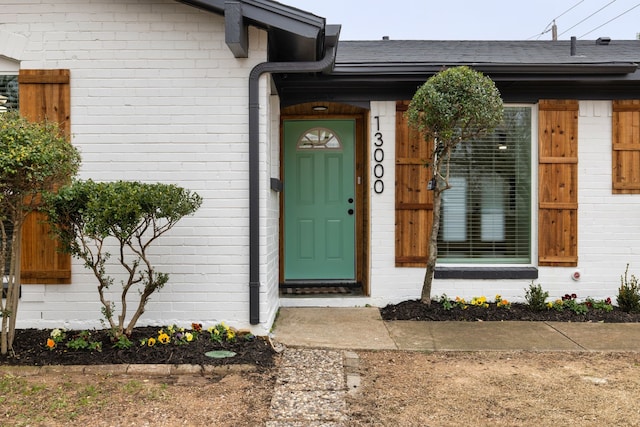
319,138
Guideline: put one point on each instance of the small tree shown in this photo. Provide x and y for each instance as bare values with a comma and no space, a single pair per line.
86,214
455,105
34,157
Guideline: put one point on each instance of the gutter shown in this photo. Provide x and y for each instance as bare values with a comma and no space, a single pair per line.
332,33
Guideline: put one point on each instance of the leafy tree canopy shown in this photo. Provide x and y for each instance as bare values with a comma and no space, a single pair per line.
122,209
455,105
34,156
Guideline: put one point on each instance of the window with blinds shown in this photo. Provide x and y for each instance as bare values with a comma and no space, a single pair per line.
9,89
486,214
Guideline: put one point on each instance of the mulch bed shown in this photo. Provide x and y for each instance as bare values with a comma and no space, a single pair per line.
415,310
30,349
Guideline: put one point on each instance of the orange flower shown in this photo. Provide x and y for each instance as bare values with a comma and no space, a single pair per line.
51,343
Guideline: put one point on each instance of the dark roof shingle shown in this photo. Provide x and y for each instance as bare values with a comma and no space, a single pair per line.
485,52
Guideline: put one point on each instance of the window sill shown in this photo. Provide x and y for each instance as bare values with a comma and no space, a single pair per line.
495,273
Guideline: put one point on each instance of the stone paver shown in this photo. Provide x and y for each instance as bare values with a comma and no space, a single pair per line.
310,389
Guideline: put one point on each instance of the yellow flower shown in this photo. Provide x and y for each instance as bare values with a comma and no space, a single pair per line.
151,342
188,336
164,338
230,334
479,301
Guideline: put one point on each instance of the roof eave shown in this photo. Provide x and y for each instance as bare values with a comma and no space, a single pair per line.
620,68
295,35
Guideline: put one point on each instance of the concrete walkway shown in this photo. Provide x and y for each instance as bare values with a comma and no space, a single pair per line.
312,385
362,328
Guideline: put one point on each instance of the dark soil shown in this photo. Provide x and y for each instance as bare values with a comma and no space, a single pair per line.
30,347
415,310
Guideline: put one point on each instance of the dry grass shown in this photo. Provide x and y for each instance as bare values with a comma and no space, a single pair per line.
497,389
93,400
399,389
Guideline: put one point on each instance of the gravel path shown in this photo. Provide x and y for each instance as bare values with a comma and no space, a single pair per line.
311,387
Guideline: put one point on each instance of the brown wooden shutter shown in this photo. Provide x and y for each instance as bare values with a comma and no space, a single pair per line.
626,147
414,203
44,94
558,183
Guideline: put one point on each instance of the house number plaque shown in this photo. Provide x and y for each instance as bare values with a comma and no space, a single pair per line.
378,157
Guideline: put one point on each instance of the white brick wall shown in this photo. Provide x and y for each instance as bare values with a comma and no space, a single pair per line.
156,95
609,225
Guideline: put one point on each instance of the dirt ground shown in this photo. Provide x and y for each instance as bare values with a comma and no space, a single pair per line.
237,399
497,389
397,389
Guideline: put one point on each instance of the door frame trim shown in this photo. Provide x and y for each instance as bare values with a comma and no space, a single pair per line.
361,182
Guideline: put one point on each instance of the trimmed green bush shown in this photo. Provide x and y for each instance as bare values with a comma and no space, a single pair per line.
536,298
628,293
86,214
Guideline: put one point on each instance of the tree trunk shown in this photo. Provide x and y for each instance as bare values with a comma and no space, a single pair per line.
17,282
433,247
13,292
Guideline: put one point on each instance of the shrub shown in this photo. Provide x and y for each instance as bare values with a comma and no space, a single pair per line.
536,297
131,215
628,293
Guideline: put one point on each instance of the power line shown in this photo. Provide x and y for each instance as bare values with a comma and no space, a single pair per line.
580,22
547,29
610,20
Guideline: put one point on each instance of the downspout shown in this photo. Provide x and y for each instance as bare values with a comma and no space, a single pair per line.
326,63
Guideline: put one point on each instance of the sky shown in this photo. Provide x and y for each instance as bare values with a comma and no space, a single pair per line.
478,20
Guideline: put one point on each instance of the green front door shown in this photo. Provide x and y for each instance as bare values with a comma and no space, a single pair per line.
319,200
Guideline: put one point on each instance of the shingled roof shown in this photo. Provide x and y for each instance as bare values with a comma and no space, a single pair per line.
481,51
524,71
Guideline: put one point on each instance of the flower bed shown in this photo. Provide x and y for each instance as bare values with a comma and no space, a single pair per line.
152,345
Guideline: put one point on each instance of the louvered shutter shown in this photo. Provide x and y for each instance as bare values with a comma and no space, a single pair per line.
44,94
558,183
626,147
414,203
